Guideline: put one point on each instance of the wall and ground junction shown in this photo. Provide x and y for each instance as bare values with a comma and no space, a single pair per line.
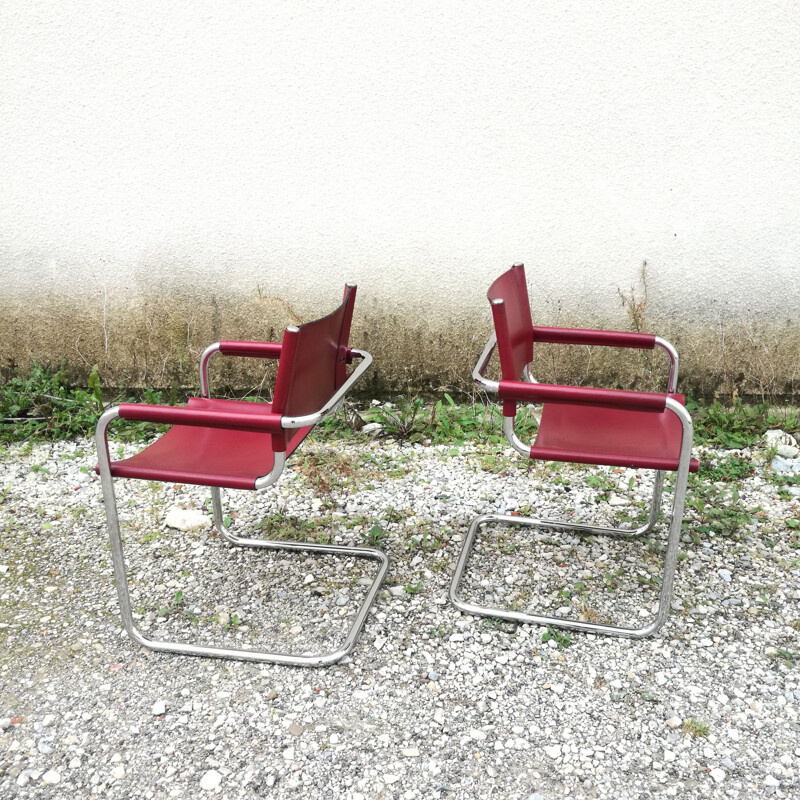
177,173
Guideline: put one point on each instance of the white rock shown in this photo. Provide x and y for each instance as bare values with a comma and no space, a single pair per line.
439,716
391,778
553,750
718,775
669,755
479,736
372,428
187,519
210,780
674,722
557,688
118,772
51,777
787,451
159,708
771,781
777,437
288,754
410,752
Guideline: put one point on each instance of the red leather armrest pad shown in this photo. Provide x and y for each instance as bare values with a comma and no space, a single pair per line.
641,341
251,349
582,395
180,415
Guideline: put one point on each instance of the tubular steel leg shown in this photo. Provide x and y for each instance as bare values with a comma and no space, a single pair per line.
667,578
121,580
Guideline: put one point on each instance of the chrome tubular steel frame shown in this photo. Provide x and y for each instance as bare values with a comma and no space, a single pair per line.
121,572
673,539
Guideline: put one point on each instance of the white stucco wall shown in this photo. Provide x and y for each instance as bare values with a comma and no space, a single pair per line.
416,148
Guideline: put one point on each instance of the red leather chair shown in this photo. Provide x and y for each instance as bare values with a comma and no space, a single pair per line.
642,430
241,445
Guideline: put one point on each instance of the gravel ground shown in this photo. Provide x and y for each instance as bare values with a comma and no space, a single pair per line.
432,703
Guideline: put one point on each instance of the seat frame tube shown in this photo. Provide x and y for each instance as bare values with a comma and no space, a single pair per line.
183,648
673,538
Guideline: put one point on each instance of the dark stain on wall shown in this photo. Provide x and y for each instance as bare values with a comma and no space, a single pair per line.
156,338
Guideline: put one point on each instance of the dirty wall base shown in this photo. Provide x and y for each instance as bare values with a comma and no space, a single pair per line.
155,340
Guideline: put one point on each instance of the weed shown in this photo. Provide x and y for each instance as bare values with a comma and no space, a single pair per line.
717,512
294,529
327,470
400,420
426,542
729,470
784,655
440,631
42,405
612,580
560,637
636,305
694,727
738,426
375,536
413,588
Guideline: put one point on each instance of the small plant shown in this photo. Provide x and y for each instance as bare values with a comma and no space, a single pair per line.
426,542
729,470
560,637
413,588
375,536
786,656
401,420
612,580
635,304
694,727
328,470
292,529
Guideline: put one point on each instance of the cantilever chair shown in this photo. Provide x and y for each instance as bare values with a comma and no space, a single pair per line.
230,444
642,430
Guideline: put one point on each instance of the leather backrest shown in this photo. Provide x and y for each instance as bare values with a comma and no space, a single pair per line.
512,321
313,363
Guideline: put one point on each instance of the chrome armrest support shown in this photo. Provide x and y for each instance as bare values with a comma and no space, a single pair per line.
333,404
101,442
204,359
674,362
483,362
